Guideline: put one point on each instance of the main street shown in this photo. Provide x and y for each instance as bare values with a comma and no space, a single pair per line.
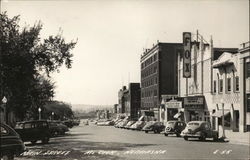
107,142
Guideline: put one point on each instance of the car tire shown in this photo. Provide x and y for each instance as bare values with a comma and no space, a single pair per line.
166,134
33,142
146,131
45,140
177,135
186,138
215,138
155,131
202,138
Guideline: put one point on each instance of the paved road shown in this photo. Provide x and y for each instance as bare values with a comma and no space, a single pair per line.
106,142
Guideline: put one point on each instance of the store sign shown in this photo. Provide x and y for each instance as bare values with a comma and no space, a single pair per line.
187,54
194,101
175,104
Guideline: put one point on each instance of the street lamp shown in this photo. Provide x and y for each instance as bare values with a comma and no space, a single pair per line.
39,111
52,115
4,101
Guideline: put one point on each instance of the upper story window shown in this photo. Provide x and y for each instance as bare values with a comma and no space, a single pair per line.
229,84
248,70
221,86
237,84
215,87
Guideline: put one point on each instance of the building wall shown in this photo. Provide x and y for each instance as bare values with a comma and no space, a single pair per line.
200,82
158,74
245,87
230,95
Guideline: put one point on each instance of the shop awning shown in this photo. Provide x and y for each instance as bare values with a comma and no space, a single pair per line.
220,114
177,115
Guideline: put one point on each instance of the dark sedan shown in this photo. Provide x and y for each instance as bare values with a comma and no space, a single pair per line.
154,126
11,143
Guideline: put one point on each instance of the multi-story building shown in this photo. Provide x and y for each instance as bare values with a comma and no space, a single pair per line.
158,75
245,86
226,93
121,104
199,101
129,99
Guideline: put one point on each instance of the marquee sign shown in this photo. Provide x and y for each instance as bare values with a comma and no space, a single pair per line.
187,54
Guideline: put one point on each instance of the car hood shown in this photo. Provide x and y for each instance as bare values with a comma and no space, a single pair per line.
192,129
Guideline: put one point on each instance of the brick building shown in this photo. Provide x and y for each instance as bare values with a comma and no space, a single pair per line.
158,75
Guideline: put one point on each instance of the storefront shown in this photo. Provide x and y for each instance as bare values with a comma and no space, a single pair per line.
173,111
194,108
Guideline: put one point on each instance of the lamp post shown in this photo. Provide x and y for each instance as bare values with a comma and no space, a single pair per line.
4,101
52,115
39,111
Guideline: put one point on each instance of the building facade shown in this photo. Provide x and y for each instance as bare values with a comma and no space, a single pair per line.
158,75
129,99
245,86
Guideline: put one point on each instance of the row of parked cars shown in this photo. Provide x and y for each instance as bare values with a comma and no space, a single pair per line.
193,129
30,131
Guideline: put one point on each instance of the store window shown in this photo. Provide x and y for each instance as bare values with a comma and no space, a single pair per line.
215,86
221,86
228,84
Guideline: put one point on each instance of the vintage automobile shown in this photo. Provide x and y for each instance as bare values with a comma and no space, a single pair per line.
174,127
34,131
138,125
57,128
153,126
130,123
199,129
10,143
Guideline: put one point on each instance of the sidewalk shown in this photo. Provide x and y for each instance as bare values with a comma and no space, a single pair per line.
236,137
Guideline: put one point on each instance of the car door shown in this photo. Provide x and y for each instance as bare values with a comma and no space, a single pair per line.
27,130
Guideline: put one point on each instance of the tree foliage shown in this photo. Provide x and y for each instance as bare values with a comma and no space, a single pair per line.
26,63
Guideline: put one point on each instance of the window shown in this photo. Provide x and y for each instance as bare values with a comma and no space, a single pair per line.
27,125
248,69
248,103
221,86
229,84
215,86
237,83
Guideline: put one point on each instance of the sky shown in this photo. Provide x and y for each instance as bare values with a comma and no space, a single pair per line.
112,34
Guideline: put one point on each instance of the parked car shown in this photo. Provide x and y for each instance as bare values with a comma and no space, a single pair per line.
199,129
10,143
153,126
34,131
174,127
130,123
68,123
138,125
123,123
57,128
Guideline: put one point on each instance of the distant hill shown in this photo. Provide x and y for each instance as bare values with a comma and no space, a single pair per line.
86,107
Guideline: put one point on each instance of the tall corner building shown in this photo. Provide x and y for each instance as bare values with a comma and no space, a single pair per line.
159,75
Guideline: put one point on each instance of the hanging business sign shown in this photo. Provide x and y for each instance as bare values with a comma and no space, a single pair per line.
187,54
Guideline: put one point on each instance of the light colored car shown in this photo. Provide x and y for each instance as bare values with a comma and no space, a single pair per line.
199,129
130,123
138,125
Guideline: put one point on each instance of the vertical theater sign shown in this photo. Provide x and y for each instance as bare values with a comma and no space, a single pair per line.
187,54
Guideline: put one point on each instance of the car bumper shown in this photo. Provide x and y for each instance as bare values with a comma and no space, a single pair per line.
191,135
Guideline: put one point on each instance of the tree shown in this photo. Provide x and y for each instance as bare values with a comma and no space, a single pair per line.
26,63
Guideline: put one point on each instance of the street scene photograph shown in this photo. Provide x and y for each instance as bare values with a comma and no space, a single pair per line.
124,79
